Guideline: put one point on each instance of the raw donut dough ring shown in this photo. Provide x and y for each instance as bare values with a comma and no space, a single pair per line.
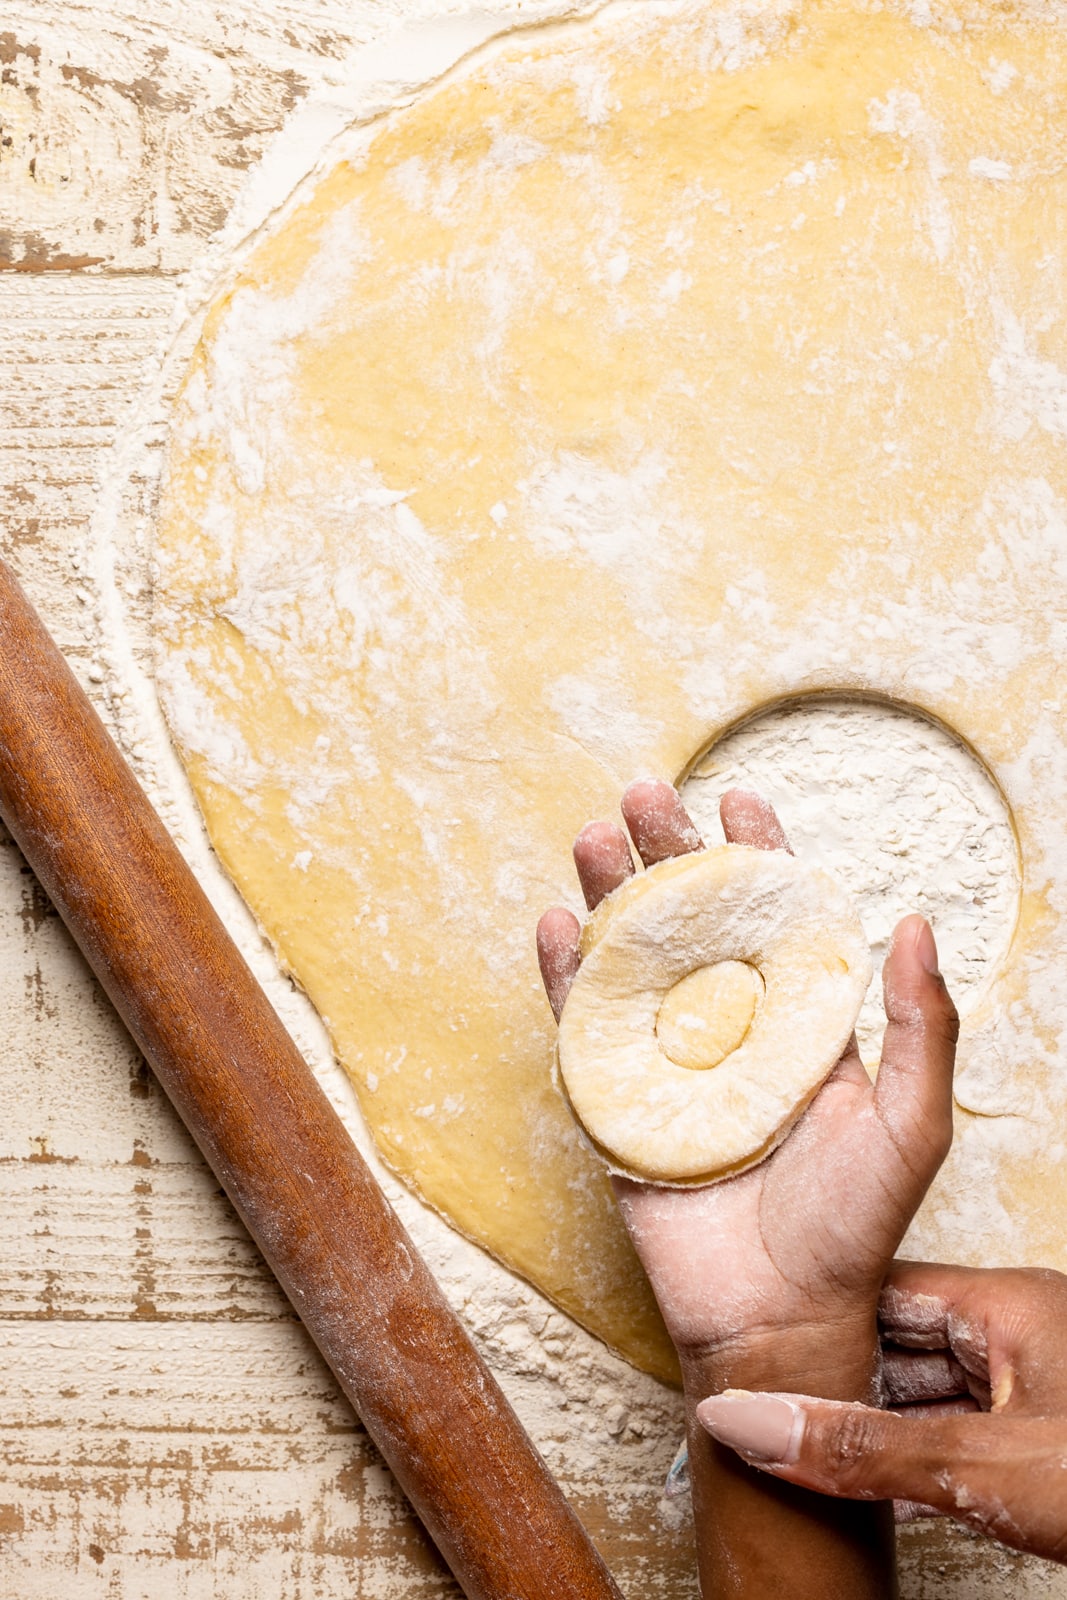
655,1119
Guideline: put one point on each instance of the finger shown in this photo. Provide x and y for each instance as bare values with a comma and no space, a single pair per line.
558,933
999,1476
928,1304
924,1305
659,824
911,1511
1003,1325
916,1375
749,819
602,856
913,1094
959,1406
913,1306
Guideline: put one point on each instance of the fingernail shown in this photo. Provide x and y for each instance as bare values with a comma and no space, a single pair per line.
926,949
760,1426
1002,1389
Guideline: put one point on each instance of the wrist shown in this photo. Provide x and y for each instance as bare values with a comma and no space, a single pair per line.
835,1359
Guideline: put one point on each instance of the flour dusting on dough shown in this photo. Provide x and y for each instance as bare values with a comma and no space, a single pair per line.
595,431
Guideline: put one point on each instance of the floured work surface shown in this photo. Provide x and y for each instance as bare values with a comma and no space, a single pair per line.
641,373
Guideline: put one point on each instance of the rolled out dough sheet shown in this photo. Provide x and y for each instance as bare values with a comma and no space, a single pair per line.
643,371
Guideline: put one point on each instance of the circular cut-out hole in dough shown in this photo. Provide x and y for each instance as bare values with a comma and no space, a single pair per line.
708,1013
902,812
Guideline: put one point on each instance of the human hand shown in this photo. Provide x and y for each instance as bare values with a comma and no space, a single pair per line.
795,1249
976,1372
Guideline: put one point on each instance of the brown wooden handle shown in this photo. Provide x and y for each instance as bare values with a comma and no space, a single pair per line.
273,1140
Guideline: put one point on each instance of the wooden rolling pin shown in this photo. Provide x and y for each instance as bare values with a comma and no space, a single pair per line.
273,1140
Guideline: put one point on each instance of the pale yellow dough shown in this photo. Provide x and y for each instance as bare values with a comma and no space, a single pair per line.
640,374
710,1115
705,1015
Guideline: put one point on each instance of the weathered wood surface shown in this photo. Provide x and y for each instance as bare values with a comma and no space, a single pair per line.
221,1460
128,129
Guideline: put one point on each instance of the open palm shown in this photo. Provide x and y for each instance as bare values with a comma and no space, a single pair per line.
805,1237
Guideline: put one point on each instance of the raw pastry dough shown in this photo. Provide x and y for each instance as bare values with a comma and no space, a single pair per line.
707,1014
669,1109
638,375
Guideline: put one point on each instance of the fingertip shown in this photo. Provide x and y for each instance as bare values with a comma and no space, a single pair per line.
767,1429
747,818
602,857
594,835
556,923
659,824
913,940
925,946
912,985
558,954
912,1304
647,801
913,1511
914,1086
647,791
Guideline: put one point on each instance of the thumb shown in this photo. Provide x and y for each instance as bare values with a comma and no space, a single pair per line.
913,1092
1000,1476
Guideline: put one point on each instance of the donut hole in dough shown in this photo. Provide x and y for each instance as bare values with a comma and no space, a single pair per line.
660,956
708,1013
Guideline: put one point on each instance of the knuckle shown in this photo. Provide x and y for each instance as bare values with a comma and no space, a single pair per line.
1046,1291
1048,1281
1038,1288
948,1018
854,1438
930,1135
941,1139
